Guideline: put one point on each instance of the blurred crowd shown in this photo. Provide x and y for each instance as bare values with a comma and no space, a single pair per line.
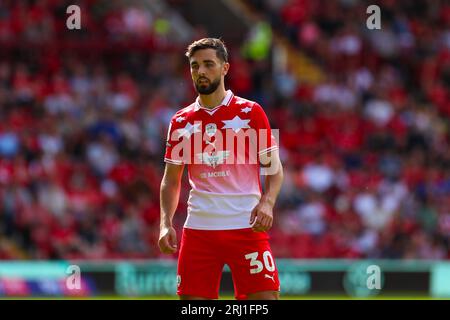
84,116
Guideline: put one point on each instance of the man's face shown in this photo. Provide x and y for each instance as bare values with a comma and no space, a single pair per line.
207,71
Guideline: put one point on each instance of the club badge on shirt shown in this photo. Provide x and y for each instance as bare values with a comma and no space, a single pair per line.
211,129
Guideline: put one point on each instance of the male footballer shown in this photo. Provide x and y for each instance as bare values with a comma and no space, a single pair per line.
226,142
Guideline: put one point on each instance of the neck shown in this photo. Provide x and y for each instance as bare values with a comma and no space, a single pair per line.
214,99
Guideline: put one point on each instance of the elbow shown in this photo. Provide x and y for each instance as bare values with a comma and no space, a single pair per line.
281,172
169,185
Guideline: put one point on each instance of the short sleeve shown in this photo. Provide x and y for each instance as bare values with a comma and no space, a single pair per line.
171,155
265,137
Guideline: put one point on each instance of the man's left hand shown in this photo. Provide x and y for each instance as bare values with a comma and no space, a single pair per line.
261,217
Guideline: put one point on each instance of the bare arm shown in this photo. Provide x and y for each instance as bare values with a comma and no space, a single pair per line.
262,214
169,196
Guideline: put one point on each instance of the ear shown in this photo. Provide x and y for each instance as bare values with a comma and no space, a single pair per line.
226,67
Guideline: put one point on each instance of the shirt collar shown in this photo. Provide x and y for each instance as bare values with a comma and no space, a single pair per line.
225,102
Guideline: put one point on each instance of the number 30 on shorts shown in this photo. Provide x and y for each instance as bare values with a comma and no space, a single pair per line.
258,265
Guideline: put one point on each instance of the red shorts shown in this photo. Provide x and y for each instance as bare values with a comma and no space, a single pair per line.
204,253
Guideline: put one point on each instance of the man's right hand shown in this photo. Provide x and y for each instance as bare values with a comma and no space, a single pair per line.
167,240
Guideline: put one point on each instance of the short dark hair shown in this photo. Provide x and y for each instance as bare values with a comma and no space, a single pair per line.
208,43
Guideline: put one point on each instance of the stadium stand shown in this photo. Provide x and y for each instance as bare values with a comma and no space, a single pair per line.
84,115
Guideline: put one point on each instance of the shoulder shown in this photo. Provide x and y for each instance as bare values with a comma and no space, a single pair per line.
186,110
249,107
239,101
252,108
183,114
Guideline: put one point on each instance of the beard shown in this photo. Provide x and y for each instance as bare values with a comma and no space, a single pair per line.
207,88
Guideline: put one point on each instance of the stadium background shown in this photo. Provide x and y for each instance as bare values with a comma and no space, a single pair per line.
364,135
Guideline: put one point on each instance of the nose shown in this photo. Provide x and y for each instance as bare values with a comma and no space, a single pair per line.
201,71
